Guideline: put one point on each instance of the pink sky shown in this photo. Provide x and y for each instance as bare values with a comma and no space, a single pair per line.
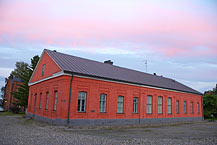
168,29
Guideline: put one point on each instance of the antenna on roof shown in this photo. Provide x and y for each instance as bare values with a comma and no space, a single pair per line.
146,65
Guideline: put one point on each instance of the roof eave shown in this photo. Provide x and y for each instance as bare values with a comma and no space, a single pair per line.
81,74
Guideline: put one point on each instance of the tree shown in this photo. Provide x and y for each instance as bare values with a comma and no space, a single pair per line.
210,104
20,70
24,72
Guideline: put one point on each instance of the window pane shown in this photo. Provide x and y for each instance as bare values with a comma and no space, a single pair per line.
169,106
102,104
40,100
149,105
120,104
81,101
43,67
198,111
185,109
47,98
55,100
135,105
177,107
191,107
160,101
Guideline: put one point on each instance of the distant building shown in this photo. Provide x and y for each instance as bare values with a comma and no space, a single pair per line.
66,89
11,86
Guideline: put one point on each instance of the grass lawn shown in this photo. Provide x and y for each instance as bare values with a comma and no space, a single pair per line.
11,114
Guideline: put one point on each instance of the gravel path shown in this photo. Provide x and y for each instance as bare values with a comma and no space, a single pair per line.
18,130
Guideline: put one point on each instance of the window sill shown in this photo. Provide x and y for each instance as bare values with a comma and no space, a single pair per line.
149,113
120,113
81,112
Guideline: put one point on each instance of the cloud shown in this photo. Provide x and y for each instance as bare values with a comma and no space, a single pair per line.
178,38
165,29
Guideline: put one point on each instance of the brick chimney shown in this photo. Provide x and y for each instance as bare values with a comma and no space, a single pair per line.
108,62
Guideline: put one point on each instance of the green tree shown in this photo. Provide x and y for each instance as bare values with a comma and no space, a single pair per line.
24,72
210,104
20,70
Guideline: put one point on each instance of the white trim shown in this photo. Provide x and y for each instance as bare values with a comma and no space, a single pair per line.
61,73
145,86
36,66
39,62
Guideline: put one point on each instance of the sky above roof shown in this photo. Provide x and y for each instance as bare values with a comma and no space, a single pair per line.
178,38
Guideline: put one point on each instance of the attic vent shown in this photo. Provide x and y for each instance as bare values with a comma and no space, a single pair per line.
108,62
54,51
154,74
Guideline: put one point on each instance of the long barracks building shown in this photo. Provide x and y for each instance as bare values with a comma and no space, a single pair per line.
65,89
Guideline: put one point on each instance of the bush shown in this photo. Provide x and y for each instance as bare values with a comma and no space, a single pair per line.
15,110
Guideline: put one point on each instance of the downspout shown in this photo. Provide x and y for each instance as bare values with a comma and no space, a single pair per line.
202,107
70,92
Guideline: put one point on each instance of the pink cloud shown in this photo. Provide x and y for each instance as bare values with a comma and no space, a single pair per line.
162,28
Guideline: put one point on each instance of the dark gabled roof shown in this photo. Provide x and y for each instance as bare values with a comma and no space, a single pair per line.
77,65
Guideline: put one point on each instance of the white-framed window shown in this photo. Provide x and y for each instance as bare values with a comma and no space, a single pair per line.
40,105
47,99
120,108
149,105
177,107
185,107
42,72
160,104
135,104
82,96
169,106
102,103
55,101
192,111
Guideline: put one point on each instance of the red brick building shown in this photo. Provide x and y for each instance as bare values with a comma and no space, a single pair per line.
68,89
11,86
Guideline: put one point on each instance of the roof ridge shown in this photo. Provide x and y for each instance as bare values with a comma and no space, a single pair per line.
86,66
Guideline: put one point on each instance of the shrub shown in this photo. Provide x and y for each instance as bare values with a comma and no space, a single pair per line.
15,110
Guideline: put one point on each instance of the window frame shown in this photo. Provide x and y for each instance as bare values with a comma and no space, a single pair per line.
40,103
148,105
135,105
177,107
120,105
42,71
81,104
55,100
185,107
192,108
47,100
160,105
102,103
169,105
198,108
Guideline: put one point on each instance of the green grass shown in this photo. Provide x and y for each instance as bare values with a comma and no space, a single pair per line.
11,114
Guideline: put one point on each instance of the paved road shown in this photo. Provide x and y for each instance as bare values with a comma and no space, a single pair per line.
17,130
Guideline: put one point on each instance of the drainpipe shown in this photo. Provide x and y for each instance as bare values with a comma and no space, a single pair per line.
70,92
202,106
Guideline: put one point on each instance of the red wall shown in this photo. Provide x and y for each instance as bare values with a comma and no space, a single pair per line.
113,90
9,99
50,68
93,89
